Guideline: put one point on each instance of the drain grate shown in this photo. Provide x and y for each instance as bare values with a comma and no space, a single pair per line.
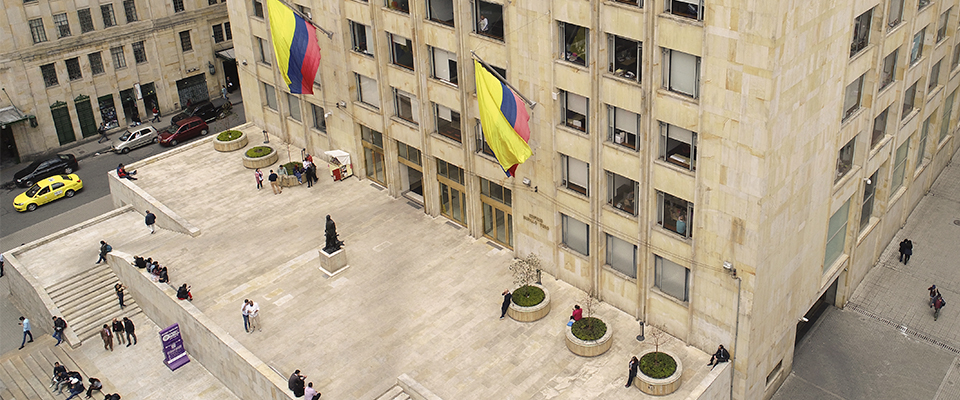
903,329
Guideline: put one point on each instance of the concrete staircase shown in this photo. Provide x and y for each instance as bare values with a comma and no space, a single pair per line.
25,374
408,388
395,393
89,301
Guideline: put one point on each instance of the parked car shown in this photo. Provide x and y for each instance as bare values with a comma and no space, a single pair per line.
47,190
139,137
37,170
183,130
207,110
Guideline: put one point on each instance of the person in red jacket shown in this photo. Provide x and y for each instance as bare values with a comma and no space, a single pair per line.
577,313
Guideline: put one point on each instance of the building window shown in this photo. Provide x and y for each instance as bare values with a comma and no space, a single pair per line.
922,3
440,11
637,3
909,97
305,11
119,61
371,136
407,107
361,35
270,94
625,57
685,8
178,6
139,53
185,41
573,43
947,113
444,64
109,19
575,175
73,69
622,193
956,57
49,72
624,128
573,110
879,128
401,51
678,146
228,34
218,33
448,122
294,104
845,158
622,256
96,63
497,212
257,8
900,165
861,32
934,77
262,51
922,143
373,155
836,235
942,26
681,73
86,21
399,5
895,14
916,51
319,118
488,19
409,153
866,208
889,72
674,214
62,24
130,10
453,199
671,278
368,93
212,2
36,30
482,146
576,234
853,96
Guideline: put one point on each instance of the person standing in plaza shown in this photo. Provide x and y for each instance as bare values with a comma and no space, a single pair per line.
507,297
938,303
1,265
107,336
258,175
308,166
59,325
274,184
129,329
246,315
118,330
295,383
119,289
104,249
150,219
254,310
223,91
632,368
908,252
25,323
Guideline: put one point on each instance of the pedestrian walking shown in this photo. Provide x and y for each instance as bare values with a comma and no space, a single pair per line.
59,325
107,336
156,114
104,249
246,315
311,172
129,329
150,219
25,323
119,289
938,303
1,265
310,393
258,175
274,184
908,252
102,130
254,311
118,330
295,383
507,297
632,368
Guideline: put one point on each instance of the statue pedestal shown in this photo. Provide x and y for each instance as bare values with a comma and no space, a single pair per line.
332,264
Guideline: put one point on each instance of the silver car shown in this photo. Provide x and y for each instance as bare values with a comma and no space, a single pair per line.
138,137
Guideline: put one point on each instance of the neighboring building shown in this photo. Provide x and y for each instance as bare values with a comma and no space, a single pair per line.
68,65
673,142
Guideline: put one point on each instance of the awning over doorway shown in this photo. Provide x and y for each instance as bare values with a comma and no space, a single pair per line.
227,54
11,114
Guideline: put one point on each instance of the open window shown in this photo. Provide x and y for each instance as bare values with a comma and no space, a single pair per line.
448,122
624,128
440,11
674,214
625,57
407,106
488,19
573,43
692,9
444,64
678,146
573,109
889,72
576,175
401,51
362,38
622,193
861,32
845,158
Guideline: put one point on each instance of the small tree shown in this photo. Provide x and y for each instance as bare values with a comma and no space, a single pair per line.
588,304
525,269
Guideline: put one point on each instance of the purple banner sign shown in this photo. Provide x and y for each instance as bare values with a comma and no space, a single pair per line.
175,356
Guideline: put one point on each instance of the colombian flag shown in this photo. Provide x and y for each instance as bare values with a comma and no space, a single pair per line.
295,44
504,120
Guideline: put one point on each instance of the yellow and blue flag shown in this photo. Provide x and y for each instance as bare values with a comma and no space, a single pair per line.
504,120
296,48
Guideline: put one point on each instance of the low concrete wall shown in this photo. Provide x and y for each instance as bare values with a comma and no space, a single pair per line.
205,341
716,385
126,192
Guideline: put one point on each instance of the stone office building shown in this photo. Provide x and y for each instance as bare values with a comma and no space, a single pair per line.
68,65
719,169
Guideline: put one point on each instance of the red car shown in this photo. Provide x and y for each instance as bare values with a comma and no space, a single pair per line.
183,130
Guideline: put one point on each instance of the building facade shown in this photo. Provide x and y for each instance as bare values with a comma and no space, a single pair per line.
70,65
719,169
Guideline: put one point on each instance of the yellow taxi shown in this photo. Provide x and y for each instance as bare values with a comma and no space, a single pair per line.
47,190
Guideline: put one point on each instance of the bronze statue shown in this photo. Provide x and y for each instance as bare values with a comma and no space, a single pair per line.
333,244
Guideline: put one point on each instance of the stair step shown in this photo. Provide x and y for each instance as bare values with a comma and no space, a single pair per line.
12,387
37,372
94,330
41,390
90,274
72,311
95,314
6,395
19,380
103,283
392,393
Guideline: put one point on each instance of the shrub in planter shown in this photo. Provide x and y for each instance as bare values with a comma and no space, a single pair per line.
589,328
227,136
290,166
528,296
657,365
259,151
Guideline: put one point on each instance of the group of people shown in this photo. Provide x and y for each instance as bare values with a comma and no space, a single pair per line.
251,316
306,170
73,381
156,271
906,250
296,384
936,301
118,329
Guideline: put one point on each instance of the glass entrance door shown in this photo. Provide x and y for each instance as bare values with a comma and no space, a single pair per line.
498,224
453,202
374,165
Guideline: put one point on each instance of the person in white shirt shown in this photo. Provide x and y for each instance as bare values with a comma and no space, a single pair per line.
484,24
254,311
246,315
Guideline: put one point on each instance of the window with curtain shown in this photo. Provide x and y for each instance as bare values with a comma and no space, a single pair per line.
294,105
624,128
407,106
678,146
573,108
671,278
270,95
622,256
367,91
576,175
444,64
576,234
681,73
448,122
622,193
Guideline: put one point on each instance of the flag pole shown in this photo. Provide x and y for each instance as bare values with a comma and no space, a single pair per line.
502,79
308,19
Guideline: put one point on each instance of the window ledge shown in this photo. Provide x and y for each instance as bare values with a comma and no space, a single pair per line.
440,24
362,53
862,51
921,168
613,76
408,123
621,148
874,222
398,12
267,108
568,250
294,120
576,131
490,39
318,131
631,7
369,107
916,63
886,88
447,139
909,116
444,82
943,143
891,28
487,157
577,67
681,303
621,275
934,92
678,168
619,212
682,20
677,95
896,196
674,234
876,149
575,193
834,268
402,68
852,116
837,184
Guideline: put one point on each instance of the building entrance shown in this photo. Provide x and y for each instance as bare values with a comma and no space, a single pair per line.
192,90
828,299
149,92
128,99
108,112
8,146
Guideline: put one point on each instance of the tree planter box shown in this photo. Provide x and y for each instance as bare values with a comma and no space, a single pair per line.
289,181
589,348
659,387
261,162
231,145
533,313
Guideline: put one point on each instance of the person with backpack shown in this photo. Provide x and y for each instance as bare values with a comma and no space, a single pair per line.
934,292
104,249
59,325
938,303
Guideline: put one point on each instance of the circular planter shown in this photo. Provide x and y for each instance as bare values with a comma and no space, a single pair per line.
230,145
262,161
532,313
589,348
659,387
